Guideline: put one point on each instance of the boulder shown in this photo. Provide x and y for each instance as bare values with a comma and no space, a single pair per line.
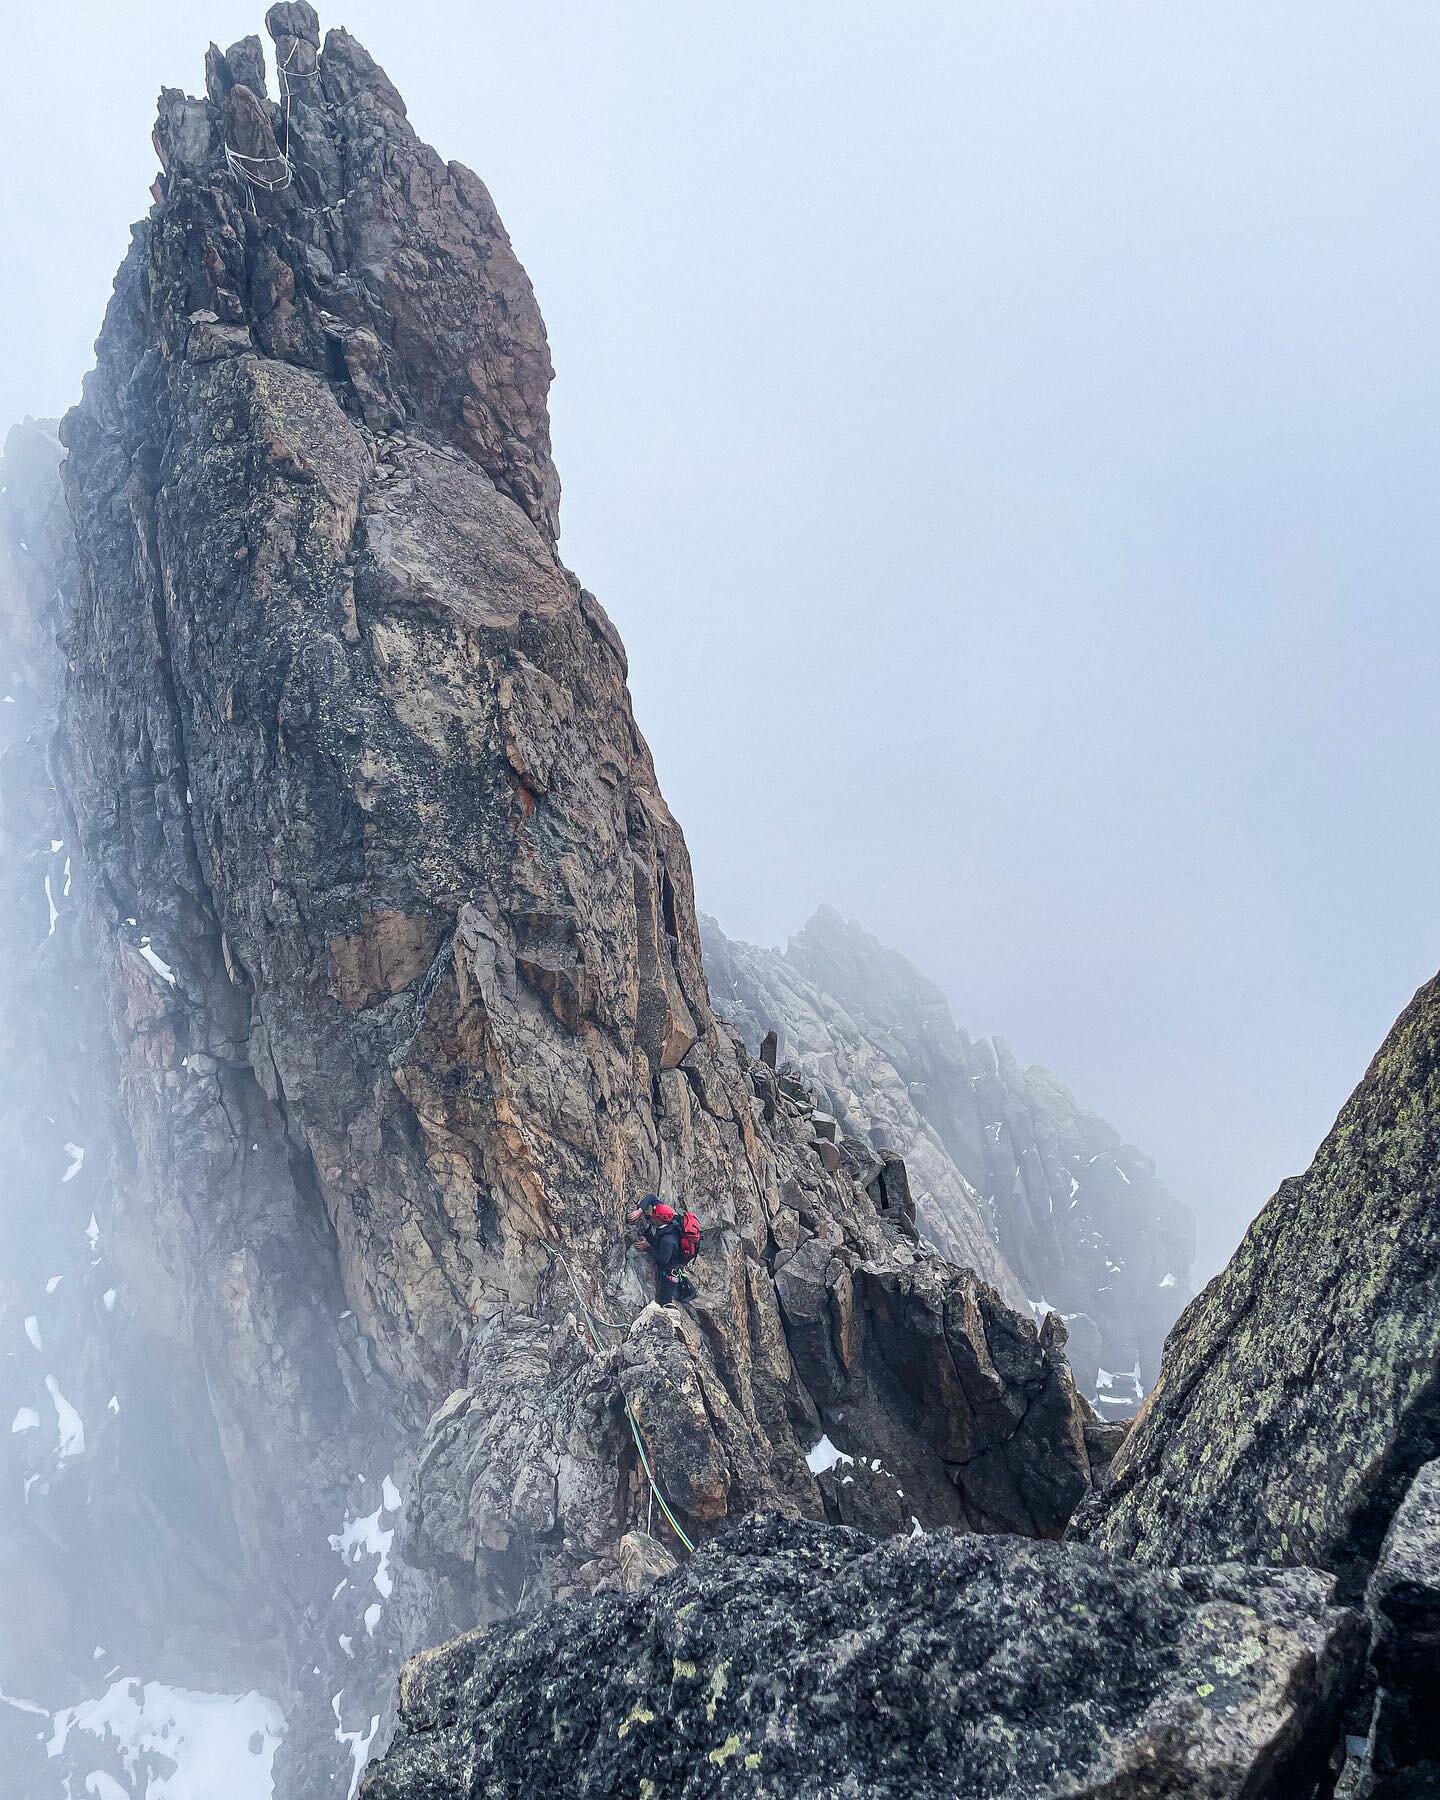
791,1662
1402,1757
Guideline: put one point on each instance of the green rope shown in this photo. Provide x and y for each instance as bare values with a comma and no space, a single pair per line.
592,1319
675,1524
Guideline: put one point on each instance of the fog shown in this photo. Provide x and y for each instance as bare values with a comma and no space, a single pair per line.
1005,436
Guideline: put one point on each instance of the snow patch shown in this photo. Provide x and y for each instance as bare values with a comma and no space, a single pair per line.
25,1706
76,1153
32,1331
109,1299
218,1743
366,1537
161,968
27,1419
1169,1281
53,1283
72,1426
54,910
825,1456
358,1742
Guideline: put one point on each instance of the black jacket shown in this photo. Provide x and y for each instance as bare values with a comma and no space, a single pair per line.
664,1241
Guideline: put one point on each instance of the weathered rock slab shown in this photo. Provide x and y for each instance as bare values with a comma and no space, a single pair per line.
788,1662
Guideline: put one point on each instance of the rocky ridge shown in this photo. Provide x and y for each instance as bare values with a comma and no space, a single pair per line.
391,941
1009,1175
1291,1425
347,871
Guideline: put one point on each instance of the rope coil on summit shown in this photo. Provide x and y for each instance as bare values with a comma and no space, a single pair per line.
237,159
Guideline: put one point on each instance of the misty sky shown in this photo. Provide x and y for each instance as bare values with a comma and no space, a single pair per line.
1006,436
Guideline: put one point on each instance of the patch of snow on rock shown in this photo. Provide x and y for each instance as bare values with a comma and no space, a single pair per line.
365,1537
161,968
72,1426
217,1743
358,1742
825,1456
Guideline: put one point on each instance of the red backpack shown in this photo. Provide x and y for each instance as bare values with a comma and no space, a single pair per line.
689,1237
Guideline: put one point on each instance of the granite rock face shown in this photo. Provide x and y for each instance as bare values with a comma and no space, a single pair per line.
1010,1176
1402,1755
391,941
800,1663
1300,1392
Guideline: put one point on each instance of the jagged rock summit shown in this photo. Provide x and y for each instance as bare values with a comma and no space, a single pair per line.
396,945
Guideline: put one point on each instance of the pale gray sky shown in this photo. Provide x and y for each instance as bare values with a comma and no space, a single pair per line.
1005,432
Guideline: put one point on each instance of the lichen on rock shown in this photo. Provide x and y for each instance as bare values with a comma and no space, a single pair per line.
1300,1392
789,1662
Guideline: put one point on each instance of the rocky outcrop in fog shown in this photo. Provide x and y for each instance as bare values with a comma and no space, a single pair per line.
1009,1175
1292,1424
1295,1418
394,943
1300,1392
353,966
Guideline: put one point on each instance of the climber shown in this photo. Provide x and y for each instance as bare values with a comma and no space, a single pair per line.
672,1242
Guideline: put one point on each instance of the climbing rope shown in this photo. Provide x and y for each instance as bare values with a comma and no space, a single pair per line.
592,1319
237,160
